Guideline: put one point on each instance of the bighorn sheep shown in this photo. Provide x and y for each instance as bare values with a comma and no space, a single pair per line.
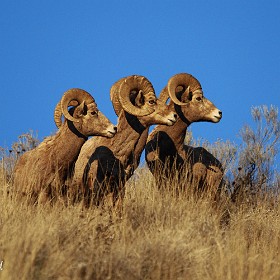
104,165
165,145
41,171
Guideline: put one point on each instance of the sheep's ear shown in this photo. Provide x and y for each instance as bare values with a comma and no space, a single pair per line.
179,89
140,99
187,95
81,110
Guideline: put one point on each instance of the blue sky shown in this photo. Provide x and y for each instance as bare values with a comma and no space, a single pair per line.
47,47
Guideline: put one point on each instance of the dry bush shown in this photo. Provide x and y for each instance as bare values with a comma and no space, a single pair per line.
256,170
26,142
161,234
251,167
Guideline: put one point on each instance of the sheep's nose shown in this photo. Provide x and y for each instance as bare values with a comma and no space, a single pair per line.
220,113
175,116
115,128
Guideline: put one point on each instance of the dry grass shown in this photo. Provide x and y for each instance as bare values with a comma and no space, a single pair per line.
162,234
158,236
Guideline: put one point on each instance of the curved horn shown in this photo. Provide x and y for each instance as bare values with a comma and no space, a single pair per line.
164,95
130,83
74,94
58,112
184,79
58,115
114,96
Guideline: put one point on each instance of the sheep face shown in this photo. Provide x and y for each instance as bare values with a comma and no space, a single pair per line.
198,108
92,122
161,113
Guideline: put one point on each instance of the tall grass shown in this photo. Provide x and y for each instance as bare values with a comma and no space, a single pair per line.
159,235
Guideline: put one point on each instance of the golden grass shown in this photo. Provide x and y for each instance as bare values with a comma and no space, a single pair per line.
159,236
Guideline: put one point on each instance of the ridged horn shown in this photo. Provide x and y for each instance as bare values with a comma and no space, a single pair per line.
74,94
164,95
130,83
182,79
58,112
114,96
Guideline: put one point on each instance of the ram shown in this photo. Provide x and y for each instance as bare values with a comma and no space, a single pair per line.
134,163
165,148
39,173
104,165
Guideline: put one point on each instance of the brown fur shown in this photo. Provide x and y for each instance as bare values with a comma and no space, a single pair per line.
165,145
104,165
41,172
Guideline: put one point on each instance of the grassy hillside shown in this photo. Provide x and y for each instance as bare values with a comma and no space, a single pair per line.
159,235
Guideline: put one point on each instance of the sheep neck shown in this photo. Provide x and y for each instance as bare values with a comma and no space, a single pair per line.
68,144
129,131
75,131
176,132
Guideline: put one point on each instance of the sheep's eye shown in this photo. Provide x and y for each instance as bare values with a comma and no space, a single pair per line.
152,102
94,113
199,99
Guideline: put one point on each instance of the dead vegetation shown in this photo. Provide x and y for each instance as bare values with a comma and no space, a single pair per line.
161,234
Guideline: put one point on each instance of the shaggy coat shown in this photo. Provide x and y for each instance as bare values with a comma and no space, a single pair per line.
104,165
165,149
41,172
